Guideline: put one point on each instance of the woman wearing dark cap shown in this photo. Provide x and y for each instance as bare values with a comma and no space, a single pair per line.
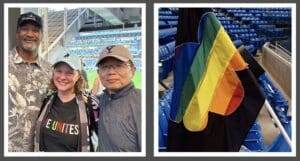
67,117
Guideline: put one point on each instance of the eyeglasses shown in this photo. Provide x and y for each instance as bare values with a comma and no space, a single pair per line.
115,67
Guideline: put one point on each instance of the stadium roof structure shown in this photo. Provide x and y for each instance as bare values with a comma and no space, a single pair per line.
95,19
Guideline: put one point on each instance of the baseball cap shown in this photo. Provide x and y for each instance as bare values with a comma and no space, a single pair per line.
30,17
115,51
72,60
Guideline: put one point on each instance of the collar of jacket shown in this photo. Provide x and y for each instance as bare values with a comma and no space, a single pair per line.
120,93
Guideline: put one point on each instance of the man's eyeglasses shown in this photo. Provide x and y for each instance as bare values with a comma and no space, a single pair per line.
116,67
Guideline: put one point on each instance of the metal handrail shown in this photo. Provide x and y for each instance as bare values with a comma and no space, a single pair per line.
285,54
63,34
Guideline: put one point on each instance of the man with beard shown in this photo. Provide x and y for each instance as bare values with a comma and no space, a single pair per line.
29,77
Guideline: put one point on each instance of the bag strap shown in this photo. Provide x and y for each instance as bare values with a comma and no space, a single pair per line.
83,123
44,109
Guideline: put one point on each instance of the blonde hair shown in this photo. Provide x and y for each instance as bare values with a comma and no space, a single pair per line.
78,87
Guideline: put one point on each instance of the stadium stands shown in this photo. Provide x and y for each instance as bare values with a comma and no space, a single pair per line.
168,20
256,26
88,45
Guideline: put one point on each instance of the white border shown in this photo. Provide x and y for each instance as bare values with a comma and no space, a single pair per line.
156,98
75,154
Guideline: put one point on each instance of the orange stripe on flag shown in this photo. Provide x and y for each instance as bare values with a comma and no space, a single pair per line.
223,94
236,99
229,91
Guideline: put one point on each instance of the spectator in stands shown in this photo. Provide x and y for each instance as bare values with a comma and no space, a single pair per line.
120,104
67,116
28,79
97,86
84,76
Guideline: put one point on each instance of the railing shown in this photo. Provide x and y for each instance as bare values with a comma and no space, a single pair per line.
281,51
62,35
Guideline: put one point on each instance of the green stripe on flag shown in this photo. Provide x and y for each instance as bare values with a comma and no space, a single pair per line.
211,28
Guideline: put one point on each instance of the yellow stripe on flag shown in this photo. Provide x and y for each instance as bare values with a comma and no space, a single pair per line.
220,56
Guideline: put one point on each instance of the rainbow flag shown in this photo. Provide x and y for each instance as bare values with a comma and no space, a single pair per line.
212,82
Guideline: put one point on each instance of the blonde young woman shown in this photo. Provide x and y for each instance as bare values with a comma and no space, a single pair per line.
67,117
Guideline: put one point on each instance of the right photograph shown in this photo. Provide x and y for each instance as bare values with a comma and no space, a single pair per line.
225,79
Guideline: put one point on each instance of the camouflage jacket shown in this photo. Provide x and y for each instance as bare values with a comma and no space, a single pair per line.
27,87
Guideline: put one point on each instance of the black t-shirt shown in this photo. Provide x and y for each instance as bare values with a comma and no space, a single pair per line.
61,129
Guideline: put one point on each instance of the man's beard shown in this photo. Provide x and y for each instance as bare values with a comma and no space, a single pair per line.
30,48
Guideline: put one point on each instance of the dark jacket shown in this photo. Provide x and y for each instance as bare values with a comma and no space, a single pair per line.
120,120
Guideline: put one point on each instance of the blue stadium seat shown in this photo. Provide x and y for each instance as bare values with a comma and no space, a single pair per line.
163,53
163,125
162,141
275,98
251,49
165,107
163,24
237,43
173,23
254,139
167,32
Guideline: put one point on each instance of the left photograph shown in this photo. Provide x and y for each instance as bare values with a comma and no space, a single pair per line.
74,79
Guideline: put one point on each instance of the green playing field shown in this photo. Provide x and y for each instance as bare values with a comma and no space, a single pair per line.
137,79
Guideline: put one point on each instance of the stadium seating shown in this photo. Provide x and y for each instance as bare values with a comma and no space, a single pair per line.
88,45
254,139
168,21
256,26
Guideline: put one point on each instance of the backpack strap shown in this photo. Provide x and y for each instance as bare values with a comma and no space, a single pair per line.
83,123
93,115
47,103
